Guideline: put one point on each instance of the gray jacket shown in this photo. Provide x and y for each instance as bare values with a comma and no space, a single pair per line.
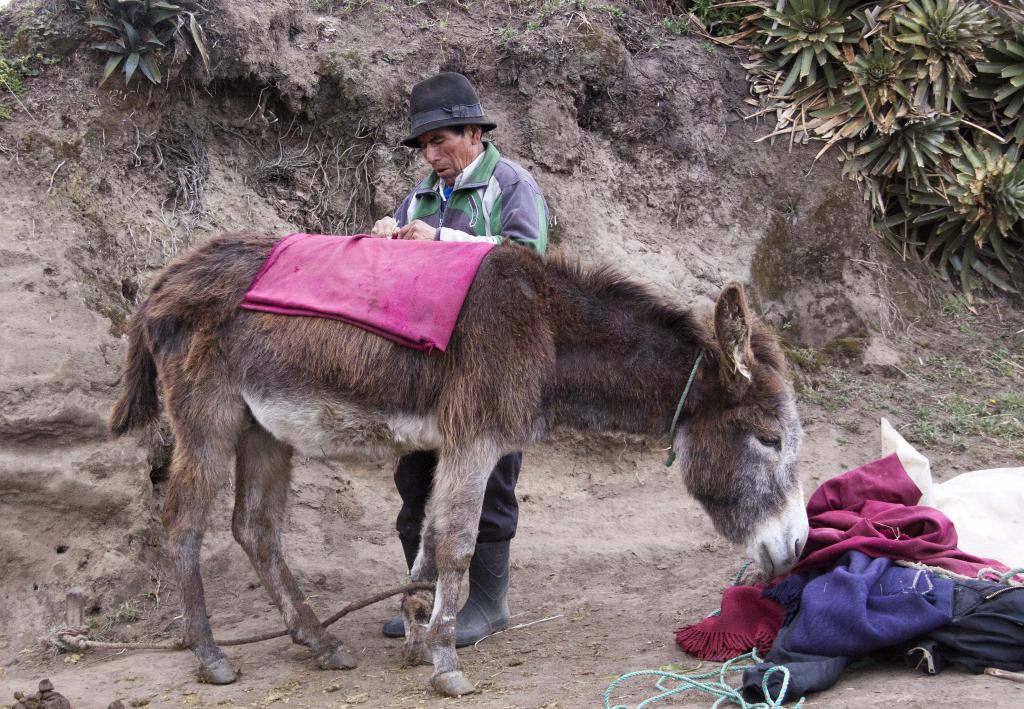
494,199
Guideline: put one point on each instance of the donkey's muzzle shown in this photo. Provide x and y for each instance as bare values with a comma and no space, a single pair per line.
778,542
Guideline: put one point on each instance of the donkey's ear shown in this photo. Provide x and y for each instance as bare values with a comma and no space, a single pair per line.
732,328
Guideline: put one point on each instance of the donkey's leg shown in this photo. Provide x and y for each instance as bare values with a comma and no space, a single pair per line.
263,473
453,515
416,606
202,452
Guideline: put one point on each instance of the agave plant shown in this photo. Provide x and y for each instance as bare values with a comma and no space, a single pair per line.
878,94
1001,81
913,151
943,38
975,223
808,35
140,29
881,86
892,82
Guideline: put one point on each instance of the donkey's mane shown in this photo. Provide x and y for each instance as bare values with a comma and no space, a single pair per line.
610,286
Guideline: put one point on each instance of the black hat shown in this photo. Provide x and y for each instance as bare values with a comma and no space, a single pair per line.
447,99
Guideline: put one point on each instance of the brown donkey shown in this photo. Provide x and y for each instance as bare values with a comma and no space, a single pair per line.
538,346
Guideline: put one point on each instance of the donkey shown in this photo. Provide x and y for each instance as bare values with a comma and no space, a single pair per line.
539,345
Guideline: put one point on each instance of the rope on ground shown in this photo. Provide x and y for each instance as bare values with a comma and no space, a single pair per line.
739,575
719,688
739,580
1012,577
76,638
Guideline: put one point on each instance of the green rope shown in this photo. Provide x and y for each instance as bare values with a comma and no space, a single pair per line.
720,688
736,582
739,576
1010,577
679,409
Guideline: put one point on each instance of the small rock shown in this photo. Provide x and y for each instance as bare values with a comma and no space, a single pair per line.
46,698
333,688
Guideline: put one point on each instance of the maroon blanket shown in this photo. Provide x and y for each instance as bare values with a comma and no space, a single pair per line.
873,509
410,292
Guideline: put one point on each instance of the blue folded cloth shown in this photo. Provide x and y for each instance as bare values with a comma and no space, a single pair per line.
862,605
838,615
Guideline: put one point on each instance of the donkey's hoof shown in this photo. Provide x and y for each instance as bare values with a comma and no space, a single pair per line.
416,653
452,684
217,672
337,659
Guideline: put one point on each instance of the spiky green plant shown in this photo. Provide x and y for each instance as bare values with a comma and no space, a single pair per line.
913,150
141,29
877,96
943,38
881,86
1001,81
808,36
915,94
975,221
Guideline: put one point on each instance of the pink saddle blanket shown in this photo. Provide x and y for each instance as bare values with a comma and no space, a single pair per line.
410,292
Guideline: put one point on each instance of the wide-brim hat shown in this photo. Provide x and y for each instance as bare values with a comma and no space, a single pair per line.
447,99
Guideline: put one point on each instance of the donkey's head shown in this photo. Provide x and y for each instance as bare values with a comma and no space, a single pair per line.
738,449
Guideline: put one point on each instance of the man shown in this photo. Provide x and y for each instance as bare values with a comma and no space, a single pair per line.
471,194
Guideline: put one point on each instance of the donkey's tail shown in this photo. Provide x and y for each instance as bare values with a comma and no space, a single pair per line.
138,403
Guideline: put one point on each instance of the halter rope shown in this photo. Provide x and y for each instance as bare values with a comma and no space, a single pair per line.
679,409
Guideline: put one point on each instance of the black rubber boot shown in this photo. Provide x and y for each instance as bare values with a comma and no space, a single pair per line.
395,627
486,609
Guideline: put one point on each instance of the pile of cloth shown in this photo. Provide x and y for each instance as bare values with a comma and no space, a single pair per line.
884,577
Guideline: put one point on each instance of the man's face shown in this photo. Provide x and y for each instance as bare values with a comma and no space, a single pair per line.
448,151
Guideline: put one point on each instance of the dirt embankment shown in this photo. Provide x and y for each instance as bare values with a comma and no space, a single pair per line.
637,137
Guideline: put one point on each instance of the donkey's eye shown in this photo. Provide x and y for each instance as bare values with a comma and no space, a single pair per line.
769,442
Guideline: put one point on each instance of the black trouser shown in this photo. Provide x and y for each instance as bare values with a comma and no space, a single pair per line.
500,513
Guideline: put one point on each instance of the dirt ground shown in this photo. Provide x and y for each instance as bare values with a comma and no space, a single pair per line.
636,133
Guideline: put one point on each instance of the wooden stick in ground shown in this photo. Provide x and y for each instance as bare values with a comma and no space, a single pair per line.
354,606
74,609
1005,674
74,600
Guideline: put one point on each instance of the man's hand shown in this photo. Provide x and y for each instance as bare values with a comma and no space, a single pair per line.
386,227
417,229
